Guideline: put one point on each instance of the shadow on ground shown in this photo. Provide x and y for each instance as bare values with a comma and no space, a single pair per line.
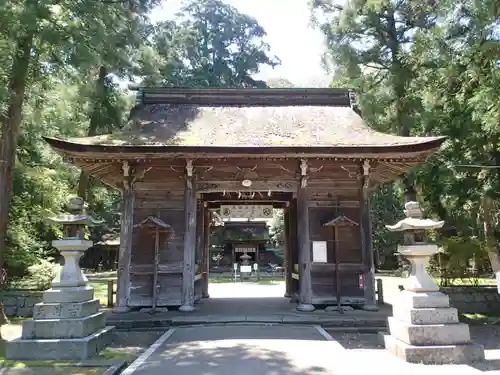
242,350
241,359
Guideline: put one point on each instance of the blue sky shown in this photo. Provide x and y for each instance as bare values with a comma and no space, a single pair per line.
289,34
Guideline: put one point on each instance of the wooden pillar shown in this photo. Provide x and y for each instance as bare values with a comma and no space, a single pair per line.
198,247
206,252
294,256
288,261
125,250
367,243
189,246
304,247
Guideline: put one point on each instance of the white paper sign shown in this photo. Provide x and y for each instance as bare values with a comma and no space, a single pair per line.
244,249
319,252
246,269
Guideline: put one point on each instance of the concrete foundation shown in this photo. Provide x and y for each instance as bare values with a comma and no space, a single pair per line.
425,329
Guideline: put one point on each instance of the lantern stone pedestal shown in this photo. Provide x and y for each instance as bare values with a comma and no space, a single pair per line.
67,325
424,327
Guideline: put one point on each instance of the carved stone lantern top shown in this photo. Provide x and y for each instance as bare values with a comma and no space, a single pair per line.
415,248
414,225
75,219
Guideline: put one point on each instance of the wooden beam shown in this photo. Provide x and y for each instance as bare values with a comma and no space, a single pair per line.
288,263
206,251
223,186
232,196
188,272
294,258
367,242
125,251
304,247
274,204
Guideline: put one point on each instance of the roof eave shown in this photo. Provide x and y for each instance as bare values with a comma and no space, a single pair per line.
64,146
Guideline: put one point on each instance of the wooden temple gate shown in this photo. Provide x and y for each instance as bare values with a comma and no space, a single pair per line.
187,150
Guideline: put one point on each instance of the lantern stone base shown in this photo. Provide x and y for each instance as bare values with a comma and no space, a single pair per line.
61,329
59,349
425,329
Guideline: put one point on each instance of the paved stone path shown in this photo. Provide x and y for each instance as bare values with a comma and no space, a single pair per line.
278,350
248,302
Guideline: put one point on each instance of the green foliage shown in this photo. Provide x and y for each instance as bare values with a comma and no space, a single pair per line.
208,44
428,68
40,276
386,208
76,53
461,258
276,227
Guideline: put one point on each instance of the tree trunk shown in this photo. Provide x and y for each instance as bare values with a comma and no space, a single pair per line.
400,79
95,120
10,122
489,237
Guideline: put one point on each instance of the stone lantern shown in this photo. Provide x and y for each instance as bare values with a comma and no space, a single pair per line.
67,325
71,281
424,328
245,269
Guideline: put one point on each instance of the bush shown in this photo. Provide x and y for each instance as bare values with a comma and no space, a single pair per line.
454,261
42,274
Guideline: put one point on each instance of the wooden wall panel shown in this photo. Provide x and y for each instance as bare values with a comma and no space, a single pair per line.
169,292
323,280
326,204
170,208
349,240
349,282
141,291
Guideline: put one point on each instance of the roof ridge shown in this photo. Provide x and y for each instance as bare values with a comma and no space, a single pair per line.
268,97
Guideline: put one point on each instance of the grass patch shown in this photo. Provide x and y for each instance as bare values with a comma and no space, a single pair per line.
101,289
481,281
481,319
116,354
52,367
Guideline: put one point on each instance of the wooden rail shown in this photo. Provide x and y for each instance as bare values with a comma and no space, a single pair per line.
111,293
379,291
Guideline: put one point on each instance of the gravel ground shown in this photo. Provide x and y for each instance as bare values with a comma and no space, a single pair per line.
489,336
129,345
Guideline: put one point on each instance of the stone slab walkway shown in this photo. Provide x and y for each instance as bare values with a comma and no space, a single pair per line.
240,350
277,350
248,303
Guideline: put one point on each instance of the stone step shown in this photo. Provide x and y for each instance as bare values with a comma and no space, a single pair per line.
68,294
439,315
65,310
435,354
429,334
63,328
422,300
59,349
152,322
